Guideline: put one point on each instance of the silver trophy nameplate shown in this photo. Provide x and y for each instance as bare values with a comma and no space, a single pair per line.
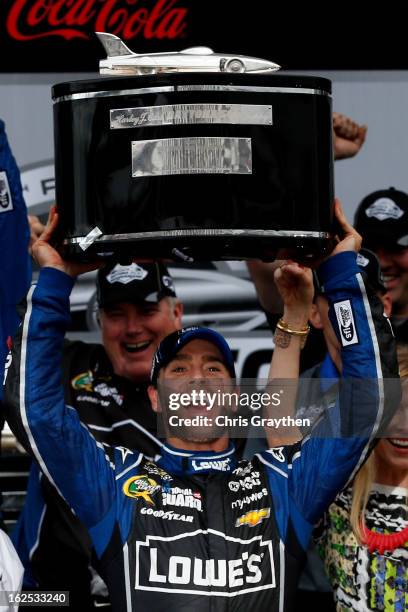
192,155
191,114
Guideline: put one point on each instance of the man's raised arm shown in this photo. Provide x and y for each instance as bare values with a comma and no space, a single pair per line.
34,402
321,465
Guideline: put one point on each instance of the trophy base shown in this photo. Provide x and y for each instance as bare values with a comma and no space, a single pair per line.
188,245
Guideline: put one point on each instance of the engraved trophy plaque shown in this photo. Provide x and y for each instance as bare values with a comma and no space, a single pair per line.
193,155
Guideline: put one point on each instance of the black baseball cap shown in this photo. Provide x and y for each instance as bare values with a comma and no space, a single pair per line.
382,219
174,342
133,283
370,268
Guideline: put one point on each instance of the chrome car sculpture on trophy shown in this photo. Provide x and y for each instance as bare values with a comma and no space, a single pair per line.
193,155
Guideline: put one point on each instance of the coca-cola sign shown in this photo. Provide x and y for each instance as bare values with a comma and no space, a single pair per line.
29,20
58,35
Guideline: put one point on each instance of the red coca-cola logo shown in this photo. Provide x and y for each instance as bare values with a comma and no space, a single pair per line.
33,19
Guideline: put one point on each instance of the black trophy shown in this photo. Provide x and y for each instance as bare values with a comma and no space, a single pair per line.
193,155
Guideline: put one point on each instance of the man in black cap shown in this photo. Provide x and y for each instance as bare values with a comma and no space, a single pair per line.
106,384
138,307
382,220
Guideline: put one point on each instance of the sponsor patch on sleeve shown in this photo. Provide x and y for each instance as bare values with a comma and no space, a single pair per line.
345,321
6,203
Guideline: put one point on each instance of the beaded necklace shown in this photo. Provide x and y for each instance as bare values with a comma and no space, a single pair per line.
382,542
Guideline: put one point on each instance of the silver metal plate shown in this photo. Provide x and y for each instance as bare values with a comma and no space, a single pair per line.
190,114
254,89
179,88
249,233
193,155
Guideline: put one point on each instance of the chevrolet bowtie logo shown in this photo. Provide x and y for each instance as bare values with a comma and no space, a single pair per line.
253,517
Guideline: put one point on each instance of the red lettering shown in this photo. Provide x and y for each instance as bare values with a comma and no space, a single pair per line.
161,10
118,17
66,18
173,24
103,16
54,19
81,13
12,19
135,23
38,12
34,16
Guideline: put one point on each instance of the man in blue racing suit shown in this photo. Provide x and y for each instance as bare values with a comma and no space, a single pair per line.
196,529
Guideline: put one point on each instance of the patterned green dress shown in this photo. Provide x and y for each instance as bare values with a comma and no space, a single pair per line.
362,580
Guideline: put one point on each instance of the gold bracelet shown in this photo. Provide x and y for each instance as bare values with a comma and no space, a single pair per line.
283,326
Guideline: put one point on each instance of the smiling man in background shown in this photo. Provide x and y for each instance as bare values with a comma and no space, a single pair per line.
382,221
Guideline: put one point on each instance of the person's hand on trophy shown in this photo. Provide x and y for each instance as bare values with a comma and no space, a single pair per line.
348,239
262,274
47,256
36,229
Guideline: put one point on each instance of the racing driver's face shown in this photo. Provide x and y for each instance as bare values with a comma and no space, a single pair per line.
190,397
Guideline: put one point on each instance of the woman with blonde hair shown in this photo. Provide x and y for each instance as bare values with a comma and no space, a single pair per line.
364,541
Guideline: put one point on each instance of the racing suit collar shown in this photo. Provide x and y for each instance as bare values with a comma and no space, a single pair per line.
178,461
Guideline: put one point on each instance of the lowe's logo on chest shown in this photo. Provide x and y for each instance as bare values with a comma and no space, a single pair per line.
176,564
221,465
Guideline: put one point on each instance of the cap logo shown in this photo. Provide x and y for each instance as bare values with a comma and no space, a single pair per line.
362,261
384,208
168,282
126,274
